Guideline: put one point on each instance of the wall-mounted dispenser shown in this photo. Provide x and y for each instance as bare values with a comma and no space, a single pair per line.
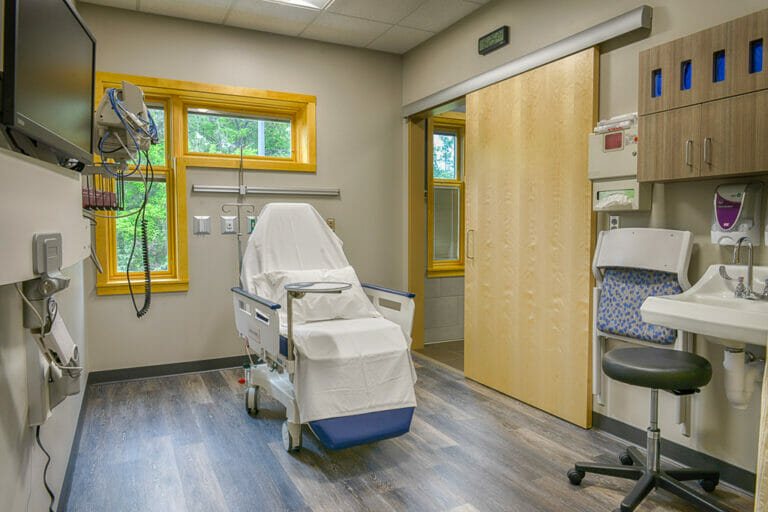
613,166
736,213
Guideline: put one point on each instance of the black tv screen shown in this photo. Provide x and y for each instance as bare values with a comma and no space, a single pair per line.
48,79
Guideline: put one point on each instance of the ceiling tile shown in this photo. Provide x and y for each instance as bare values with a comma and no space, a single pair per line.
335,28
213,11
436,15
390,11
269,17
120,4
399,39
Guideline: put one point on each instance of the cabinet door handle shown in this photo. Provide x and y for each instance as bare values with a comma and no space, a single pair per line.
472,232
688,144
707,159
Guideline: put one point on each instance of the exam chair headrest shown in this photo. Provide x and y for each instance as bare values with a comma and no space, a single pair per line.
291,236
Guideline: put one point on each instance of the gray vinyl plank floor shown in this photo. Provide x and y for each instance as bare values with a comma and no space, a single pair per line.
185,443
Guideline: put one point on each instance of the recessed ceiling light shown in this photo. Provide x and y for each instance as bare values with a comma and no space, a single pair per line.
311,4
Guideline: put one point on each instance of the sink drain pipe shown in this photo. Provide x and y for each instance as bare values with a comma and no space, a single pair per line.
742,371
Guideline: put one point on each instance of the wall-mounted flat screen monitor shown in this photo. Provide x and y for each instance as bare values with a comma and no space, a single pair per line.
48,76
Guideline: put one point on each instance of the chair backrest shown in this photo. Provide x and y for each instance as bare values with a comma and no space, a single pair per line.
664,250
290,236
631,265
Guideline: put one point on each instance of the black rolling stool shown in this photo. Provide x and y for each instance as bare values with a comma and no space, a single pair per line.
671,370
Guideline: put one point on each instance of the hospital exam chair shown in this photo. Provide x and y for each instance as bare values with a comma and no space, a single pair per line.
335,352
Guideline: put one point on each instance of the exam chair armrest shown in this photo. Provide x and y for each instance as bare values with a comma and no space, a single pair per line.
260,300
258,324
393,305
410,295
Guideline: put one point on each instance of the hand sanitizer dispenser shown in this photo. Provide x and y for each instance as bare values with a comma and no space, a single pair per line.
737,213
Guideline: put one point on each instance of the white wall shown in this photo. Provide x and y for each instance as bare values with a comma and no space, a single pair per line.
451,57
21,464
359,148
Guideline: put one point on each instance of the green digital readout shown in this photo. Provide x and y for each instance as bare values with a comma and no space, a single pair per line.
493,40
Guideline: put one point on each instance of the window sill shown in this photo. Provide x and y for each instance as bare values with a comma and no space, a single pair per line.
158,286
227,162
458,272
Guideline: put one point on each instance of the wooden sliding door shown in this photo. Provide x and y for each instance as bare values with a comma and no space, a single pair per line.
530,231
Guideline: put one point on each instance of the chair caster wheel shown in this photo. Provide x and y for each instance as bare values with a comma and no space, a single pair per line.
291,439
575,476
708,485
252,400
625,459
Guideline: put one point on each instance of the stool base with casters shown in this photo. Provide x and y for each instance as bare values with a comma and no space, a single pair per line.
682,373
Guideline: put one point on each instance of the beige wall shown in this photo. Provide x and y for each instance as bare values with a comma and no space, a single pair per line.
451,57
358,146
21,464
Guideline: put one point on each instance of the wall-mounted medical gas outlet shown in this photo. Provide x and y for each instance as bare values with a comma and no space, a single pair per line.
331,223
251,223
201,225
736,213
228,224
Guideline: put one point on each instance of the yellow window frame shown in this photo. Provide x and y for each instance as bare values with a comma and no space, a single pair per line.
176,277
450,122
178,96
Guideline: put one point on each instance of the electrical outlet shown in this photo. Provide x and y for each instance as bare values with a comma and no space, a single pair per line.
201,225
613,222
228,225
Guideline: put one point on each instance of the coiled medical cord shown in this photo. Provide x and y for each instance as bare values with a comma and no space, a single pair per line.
45,470
144,249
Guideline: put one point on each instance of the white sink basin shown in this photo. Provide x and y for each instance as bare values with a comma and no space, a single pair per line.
710,308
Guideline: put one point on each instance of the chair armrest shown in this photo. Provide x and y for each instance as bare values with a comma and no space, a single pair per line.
264,302
410,295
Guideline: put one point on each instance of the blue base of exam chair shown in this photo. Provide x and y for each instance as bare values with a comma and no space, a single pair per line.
348,431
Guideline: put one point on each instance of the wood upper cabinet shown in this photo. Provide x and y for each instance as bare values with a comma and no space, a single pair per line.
703,103
712,64
669,145
705,66
735,135
661,85
744,34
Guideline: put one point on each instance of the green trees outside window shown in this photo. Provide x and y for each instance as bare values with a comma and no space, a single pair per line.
444,156
224,133
157,151
157,228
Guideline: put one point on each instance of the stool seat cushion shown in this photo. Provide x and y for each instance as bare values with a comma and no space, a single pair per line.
657,368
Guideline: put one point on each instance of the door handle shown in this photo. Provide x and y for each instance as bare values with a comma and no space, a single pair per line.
707,159
688,144
470,255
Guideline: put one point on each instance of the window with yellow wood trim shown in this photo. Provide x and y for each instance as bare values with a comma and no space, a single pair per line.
200,125
445,198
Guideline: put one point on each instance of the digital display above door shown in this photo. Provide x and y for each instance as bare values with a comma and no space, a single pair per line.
493,40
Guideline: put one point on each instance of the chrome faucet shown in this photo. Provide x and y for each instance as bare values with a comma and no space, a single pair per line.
746,290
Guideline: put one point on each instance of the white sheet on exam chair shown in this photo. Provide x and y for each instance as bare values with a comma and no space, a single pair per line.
347,367
344,367
290,236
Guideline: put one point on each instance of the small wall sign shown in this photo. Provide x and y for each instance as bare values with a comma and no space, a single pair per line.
493,40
